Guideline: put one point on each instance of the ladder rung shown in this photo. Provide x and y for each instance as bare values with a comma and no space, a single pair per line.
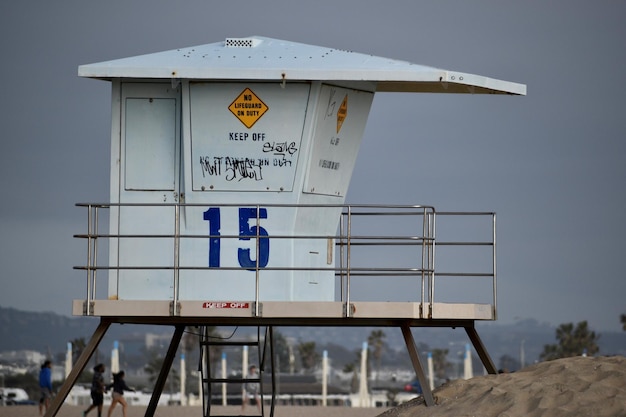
209,383
233,343
231,415
233,380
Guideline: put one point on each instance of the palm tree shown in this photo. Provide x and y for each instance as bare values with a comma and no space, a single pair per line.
354,381
154,365
208,333
281,352
508,363
572,341
375,340
189,344
440,363
78,346
308,355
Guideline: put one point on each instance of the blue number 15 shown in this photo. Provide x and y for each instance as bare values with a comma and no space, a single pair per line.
246,231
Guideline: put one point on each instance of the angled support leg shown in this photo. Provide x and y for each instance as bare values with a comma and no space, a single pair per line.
78,367
480,349
417,364
165,370
271,334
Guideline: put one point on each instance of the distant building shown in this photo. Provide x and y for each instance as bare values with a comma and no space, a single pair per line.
22,358
157,340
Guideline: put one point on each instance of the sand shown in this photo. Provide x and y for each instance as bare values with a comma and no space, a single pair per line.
572,387
576,387
136,411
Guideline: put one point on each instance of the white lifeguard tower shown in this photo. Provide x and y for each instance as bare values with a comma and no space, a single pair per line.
230,163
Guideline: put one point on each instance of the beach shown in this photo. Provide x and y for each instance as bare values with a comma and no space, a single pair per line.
570,387
177,411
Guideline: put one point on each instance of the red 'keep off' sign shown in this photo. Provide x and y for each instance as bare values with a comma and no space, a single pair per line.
225,304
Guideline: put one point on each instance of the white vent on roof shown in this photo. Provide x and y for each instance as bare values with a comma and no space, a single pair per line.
241,42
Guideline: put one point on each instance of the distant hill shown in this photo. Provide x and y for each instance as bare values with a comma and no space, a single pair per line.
24,330
49,333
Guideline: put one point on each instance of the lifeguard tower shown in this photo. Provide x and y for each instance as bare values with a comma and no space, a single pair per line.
230,164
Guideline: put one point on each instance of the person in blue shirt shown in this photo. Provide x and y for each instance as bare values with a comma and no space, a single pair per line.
45,386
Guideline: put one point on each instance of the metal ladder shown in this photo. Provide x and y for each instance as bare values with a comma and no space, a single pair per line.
210,346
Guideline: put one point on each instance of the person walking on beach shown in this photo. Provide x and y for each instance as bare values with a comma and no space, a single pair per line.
98,388
251,388
117,396
45,386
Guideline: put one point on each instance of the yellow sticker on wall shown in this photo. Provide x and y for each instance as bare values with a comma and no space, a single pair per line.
342,113
248,108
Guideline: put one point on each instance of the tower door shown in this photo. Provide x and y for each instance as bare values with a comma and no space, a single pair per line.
149,173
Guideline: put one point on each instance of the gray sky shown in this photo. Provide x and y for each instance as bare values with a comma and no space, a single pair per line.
551,164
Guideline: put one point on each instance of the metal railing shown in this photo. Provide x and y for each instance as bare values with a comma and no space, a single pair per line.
353,243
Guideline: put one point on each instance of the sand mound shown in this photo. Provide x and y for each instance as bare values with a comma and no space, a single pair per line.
579,386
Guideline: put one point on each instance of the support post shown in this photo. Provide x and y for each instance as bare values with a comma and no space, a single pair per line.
273,365
78,367
480,349
165,369
417,365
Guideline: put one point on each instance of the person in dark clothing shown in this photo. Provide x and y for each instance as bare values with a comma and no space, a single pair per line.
98,388
119,386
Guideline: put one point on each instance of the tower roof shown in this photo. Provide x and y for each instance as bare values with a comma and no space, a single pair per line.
259,58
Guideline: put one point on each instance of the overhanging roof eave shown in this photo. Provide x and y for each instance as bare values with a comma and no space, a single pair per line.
264,59
446,87
435,81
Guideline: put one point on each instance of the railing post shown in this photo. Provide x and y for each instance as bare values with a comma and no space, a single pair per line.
92,252
425,254
89,249
340,241
94,288
431,273
176,258
348,241
495,276
257,271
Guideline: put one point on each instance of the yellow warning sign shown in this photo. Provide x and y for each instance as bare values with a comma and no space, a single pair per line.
342,113
248,108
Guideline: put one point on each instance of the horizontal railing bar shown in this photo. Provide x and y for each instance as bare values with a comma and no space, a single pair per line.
385,274
237,268
295,237
352,206
233,380
382,213
465,274
464,243
465,213
389,242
